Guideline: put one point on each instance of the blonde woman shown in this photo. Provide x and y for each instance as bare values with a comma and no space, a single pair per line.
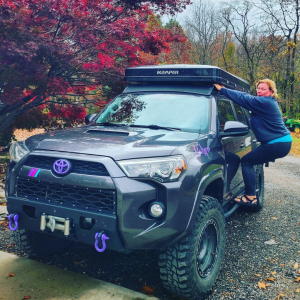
267,125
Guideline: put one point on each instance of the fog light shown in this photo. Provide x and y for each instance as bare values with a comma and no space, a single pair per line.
156,209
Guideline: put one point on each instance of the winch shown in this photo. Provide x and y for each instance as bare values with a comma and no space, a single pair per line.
53,222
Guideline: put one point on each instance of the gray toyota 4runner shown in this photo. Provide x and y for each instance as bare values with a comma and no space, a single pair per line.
157,168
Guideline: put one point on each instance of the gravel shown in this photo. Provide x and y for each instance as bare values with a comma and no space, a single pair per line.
258,245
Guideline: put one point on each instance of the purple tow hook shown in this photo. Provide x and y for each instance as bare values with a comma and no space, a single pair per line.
103,237
13,219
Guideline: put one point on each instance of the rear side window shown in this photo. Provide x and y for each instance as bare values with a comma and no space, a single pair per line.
225,113
240,114
248,116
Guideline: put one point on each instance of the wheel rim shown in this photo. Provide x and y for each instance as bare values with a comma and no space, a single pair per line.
207,248
297,129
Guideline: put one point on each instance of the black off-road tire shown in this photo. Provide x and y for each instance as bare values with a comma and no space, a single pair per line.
190,267
38,244
260,190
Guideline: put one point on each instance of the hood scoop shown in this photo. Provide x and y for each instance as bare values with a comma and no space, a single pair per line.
108,132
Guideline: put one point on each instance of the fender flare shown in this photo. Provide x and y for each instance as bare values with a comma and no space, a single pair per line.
205,181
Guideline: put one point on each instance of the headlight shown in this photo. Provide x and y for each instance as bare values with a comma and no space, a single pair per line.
162,169
17,151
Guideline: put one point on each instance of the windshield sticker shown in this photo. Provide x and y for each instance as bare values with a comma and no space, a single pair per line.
34,172
199,150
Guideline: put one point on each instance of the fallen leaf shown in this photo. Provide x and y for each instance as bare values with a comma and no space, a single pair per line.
282,265
297,290
23,134
26,297
273,273
274,218
10,274
261,285
147,289
280,295
270,279
276,259
270,242
4,204
296,266
258,275
278,201
297,279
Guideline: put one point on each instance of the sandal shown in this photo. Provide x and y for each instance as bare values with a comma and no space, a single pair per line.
244,200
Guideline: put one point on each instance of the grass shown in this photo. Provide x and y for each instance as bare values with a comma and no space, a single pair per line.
296,143
4,156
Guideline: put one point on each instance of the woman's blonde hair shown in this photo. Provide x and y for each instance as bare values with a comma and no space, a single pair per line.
271,84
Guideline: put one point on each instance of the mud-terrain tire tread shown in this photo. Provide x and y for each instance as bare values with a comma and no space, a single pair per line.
176,263
37,244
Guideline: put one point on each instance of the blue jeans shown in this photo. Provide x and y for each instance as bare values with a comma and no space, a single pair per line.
262,154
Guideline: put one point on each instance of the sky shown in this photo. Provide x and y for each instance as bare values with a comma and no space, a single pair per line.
180,17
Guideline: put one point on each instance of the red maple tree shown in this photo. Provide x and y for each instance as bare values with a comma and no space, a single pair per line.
49,48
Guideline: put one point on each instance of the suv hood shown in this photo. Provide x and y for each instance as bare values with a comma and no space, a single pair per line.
115,142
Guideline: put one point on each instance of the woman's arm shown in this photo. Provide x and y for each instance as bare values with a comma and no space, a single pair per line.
243,99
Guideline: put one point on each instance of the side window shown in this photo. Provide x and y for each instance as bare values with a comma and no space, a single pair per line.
248,116
239,113
225,113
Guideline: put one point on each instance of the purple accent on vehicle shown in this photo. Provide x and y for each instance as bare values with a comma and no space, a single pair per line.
34,172
31,171
199,150
15,221
61,166
103,238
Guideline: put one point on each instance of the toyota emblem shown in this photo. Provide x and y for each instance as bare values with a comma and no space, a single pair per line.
61,166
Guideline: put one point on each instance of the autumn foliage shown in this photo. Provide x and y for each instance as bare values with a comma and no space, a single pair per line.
56,50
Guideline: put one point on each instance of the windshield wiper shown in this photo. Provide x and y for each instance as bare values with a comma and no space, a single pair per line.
108,124
134,125
155,127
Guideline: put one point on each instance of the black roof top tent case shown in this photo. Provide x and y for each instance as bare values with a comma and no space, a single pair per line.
193,74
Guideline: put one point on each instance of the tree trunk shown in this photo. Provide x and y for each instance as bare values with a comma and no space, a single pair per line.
8,118
292,75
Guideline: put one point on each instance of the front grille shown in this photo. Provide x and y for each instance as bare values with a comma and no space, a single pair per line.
78,166
68,196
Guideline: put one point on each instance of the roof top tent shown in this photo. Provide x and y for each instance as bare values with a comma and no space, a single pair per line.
195,75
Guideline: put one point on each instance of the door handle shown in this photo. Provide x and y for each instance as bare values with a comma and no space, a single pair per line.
242,145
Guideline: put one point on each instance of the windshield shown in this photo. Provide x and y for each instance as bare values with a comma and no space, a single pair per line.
184,111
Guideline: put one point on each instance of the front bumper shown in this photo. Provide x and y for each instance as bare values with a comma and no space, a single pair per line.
30,213
122,215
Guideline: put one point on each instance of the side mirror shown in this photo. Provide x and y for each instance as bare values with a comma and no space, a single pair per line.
234,128
89,118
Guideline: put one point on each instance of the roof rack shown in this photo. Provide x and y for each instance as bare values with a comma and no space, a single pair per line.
193,74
